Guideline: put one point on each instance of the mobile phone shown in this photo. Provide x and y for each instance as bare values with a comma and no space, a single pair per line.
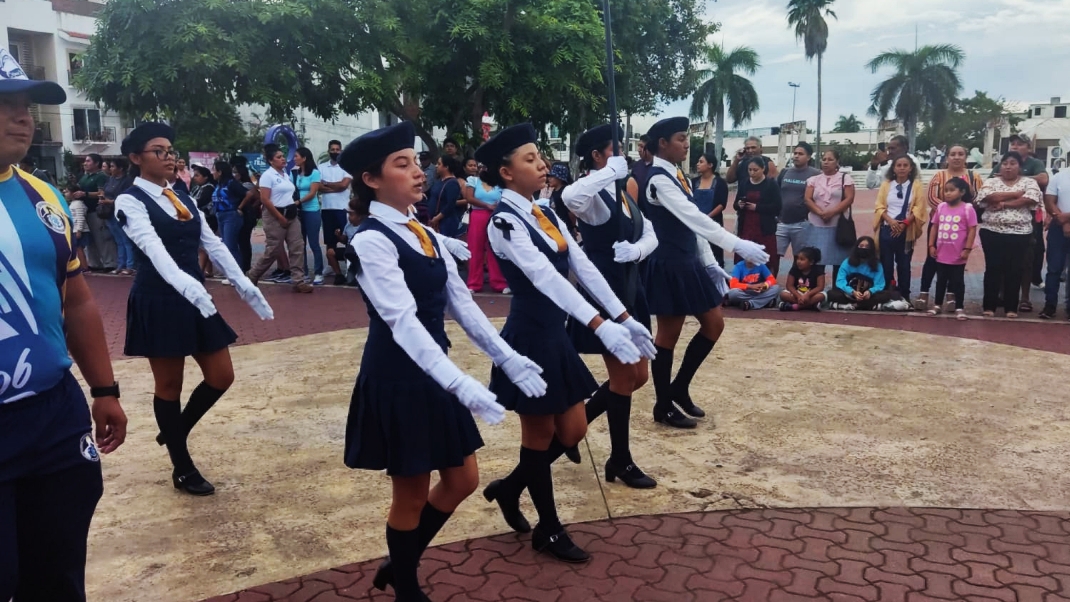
882,146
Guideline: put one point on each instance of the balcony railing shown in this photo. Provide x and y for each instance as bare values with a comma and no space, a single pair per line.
104,134
35,72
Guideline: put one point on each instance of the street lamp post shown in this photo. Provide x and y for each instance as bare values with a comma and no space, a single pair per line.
794,94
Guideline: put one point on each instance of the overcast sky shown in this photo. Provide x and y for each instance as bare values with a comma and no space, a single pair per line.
1015,49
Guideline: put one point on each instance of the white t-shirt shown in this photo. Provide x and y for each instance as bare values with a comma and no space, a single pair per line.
282,189
333,200
1059,187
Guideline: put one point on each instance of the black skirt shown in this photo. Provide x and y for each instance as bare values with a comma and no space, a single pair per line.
167,325
568,381
584,340
679,287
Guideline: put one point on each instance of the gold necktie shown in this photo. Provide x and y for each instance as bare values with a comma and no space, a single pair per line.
425,240
183,214
683,181
624,203
548,227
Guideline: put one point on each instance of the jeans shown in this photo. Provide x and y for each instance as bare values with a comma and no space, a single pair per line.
230,224
896,260
762,300
249,217
334,219
311,222
1004,266
1058,249
791,234
124,247
928,271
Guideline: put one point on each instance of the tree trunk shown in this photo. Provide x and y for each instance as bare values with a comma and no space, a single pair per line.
720,134
817,145
911,125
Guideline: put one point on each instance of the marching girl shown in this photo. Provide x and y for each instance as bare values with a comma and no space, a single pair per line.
411,410
680,273
169,314
535,257
615,237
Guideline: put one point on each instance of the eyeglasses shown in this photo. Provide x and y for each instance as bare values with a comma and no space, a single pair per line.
161,153
899,190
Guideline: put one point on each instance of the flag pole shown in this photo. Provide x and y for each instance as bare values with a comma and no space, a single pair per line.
611,87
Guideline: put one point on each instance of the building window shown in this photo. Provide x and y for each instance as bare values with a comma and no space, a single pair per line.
87,124
74,65
1036,111
1060,112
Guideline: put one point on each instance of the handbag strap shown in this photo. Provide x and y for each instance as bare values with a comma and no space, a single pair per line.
843,193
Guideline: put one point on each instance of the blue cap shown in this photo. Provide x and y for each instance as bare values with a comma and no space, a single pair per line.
374,147
596,138
561,172
505,142
136,140
14,80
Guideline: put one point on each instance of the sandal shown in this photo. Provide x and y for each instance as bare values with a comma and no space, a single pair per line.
1012,315
934,311
988,314
1024,307
960,314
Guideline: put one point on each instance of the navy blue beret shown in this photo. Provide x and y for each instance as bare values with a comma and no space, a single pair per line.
372,148
597,138
136,140
505,142
666,128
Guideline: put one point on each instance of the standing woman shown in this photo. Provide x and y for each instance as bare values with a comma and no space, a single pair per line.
678,273
169,314
616,238
483,199
411,410
829,196
201,192
757,206
446,191
536,257
249,209
116,185
307,180
1006,230
899,220
711,194
228,194
281,226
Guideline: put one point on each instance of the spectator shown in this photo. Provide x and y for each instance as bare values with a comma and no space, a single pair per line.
956,168
281,226
899,220
793,225
116,185
483,199
829,195
753,286
471,168
183,173
934,157
879,167
228,194
428,168
353,219
1008,203
951,239
307,179
757,207
806,282
641,167
442,200
102,250
249,209
710,192
79,228
450,148
1057,202
752,150
1031,167
559,177
201,189
334,199
860,282
28,164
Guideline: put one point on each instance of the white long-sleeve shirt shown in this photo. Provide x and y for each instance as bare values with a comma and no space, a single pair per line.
138,226
672,198
383,281
582,199
521,250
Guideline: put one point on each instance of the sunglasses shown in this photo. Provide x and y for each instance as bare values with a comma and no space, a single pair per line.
899,190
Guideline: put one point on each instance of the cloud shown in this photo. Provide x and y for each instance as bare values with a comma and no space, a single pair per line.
787,58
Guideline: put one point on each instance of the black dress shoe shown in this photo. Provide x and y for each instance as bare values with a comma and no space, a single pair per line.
510,507
683,399
384,576
674,419
160,439
559,545
193,483
573,454
631,475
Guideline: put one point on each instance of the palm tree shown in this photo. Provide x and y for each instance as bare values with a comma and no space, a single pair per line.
808,18
848,124
925,84
722,85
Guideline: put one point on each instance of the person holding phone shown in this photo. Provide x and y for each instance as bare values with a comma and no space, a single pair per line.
752,150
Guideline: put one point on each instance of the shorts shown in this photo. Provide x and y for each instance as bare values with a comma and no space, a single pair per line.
793,234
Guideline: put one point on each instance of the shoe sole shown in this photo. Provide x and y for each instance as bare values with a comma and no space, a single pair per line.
682,427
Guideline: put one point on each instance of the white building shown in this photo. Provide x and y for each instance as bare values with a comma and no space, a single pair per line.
47,38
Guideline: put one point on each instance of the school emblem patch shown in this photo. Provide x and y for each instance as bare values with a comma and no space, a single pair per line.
89,449
52,216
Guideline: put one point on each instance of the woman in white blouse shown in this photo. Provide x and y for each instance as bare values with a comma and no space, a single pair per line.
281,224
170,315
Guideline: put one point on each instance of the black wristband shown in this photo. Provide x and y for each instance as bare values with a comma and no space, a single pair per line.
110,391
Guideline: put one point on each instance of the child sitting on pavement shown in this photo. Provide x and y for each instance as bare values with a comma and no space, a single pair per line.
806,282
752,286
860,283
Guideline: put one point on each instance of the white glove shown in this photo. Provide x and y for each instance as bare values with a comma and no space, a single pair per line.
626,252
525,375
719,276
751,252
477,398
618,341
619,165
196,294
457,248
252,295
644,341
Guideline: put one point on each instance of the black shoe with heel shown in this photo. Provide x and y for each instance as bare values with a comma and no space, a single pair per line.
573,454
683,399
629,474
674,419
510,508
384,576
193,483
559,545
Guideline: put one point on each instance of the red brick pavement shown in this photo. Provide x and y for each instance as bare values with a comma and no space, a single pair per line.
835,554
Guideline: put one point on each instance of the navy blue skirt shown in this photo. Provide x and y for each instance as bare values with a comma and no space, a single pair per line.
584,340
407,426
568,381
167,325
679,287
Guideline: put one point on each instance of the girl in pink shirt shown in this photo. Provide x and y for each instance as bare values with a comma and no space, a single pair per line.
954,227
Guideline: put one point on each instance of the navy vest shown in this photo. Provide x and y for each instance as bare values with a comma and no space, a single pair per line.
598,242
181,239
529,303
675,239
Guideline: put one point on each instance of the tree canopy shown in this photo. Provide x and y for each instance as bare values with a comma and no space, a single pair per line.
723,90
438,63
848,124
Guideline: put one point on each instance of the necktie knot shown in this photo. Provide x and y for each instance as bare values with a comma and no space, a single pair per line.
184,214
683,181
548,227
425,240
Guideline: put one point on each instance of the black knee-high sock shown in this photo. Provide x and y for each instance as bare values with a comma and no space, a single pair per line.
618,414
661,374
431,521
169,419
536,465
696,353
200,401
405,551
595,407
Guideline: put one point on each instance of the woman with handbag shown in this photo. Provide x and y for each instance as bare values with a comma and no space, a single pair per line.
829,197
281,226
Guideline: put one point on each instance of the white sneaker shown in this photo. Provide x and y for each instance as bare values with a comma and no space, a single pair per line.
226,282
843,306
318,279
507,291
900,305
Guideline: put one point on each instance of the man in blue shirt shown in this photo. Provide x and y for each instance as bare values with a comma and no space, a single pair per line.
50,477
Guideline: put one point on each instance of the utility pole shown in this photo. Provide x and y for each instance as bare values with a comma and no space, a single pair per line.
794,94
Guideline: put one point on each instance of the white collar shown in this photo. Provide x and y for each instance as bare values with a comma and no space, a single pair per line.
385,212
662,163
516,200
154,190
